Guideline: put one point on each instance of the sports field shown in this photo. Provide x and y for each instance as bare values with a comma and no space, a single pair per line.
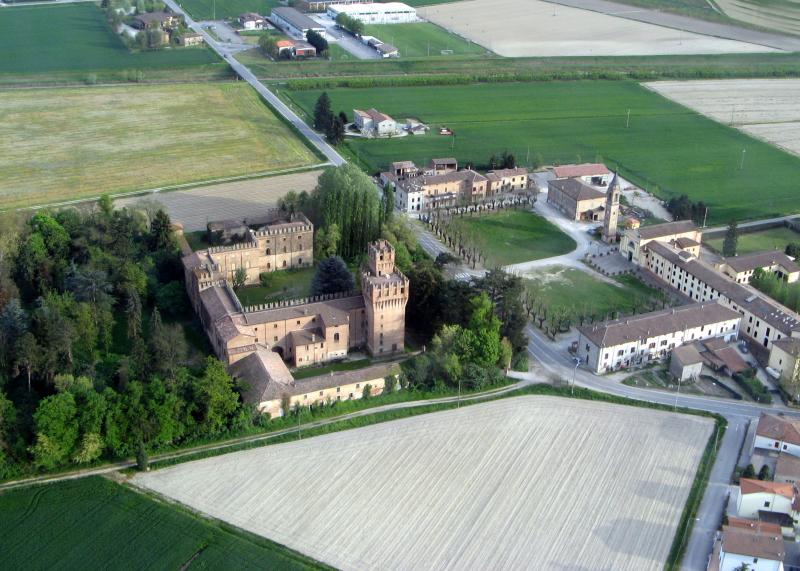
423,39
559,286
94,523
666,148
225,9
565,484
750,242
512,236
61,144
52,40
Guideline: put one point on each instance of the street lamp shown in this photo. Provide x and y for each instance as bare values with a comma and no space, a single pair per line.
575,370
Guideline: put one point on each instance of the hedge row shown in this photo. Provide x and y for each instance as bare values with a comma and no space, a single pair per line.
753,387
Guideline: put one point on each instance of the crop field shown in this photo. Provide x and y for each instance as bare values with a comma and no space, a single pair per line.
512,236
61,144
94,523
226,9
562,286
517,28
490,486
750,242
83,42
764,108
779,15
423,39
666,148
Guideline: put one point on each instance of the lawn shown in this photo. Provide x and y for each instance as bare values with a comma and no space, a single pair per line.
770,239
94,523
61,144
83,42
667,148
512,236
307,372
422,39
579,290
227,9
285,284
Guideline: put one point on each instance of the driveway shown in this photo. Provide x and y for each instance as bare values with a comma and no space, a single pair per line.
345,40
227,36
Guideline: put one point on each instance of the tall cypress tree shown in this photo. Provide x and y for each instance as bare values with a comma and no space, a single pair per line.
323,116
731,243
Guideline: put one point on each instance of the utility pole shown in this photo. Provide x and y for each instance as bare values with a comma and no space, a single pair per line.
299,433
575,370
741,165
628,120
705,216
458,404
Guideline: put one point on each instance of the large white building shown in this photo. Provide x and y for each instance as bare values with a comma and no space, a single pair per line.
295,23
637,340
375,13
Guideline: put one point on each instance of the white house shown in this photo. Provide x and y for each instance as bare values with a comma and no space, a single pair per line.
758,545
375,13
779,434
639,339
374,123
772,502
409,198
252,21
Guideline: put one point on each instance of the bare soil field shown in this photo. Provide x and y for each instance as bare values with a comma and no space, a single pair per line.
764,108
565,484
778,15
517,28
195,207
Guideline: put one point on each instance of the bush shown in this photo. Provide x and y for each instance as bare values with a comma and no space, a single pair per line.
263,279
753,387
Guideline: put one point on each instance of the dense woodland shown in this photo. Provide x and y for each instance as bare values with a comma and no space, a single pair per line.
100,356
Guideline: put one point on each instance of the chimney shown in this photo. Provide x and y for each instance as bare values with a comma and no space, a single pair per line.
313,337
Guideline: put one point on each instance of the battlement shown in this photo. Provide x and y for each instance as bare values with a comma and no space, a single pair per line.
299,301
233,247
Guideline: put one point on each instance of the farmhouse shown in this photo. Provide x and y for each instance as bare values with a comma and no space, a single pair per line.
741,268
787,469
778,433
774,502
763,320
162,20
373,123
306,331
252,21
443,165
785,357
508,180
758,545
576,199
633,240
270,385
375,13
190,39
295,23
647,337
590,173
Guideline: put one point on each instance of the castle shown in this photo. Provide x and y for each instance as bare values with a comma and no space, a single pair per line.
306,331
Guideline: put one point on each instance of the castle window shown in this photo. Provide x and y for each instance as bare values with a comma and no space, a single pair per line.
338,389
284,249
320,393
335,337
269,251
299,260
358,385
276,326
298,322
275,338
284,263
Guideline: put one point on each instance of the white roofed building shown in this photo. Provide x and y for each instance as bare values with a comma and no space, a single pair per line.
375,13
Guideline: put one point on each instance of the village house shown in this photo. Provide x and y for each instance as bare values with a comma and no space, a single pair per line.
508,180
770,502
741,268
303,332
787,469
685,363
591,173
295,23
190,39
441,166
640,339
747,544
576,199
778,434
373,123
633,241
163,20
763,320
785,357
252,21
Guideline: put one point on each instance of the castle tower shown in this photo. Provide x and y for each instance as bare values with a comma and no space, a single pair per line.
385,292
612,212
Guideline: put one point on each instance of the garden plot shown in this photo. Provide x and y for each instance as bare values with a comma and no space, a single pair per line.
517,28
564,483
764,108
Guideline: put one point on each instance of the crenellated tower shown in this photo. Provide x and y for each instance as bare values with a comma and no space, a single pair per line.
385,291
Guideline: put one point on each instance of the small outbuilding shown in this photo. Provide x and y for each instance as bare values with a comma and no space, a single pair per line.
686,364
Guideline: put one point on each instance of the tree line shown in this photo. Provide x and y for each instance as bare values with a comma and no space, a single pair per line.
94,358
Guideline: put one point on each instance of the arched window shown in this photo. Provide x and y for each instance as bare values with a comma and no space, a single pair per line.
335,337
284,263
269,251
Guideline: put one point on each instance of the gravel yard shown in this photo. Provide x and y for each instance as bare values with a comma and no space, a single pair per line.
518,28
563,483
764,108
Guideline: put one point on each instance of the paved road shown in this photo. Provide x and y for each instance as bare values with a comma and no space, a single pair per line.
328,151
752,223
230,39
678,22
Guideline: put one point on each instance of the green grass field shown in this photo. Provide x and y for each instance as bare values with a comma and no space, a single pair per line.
94,523
226,9
51,41
287,284
771,239
61,144
512,236
422,40
579,290
667,148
